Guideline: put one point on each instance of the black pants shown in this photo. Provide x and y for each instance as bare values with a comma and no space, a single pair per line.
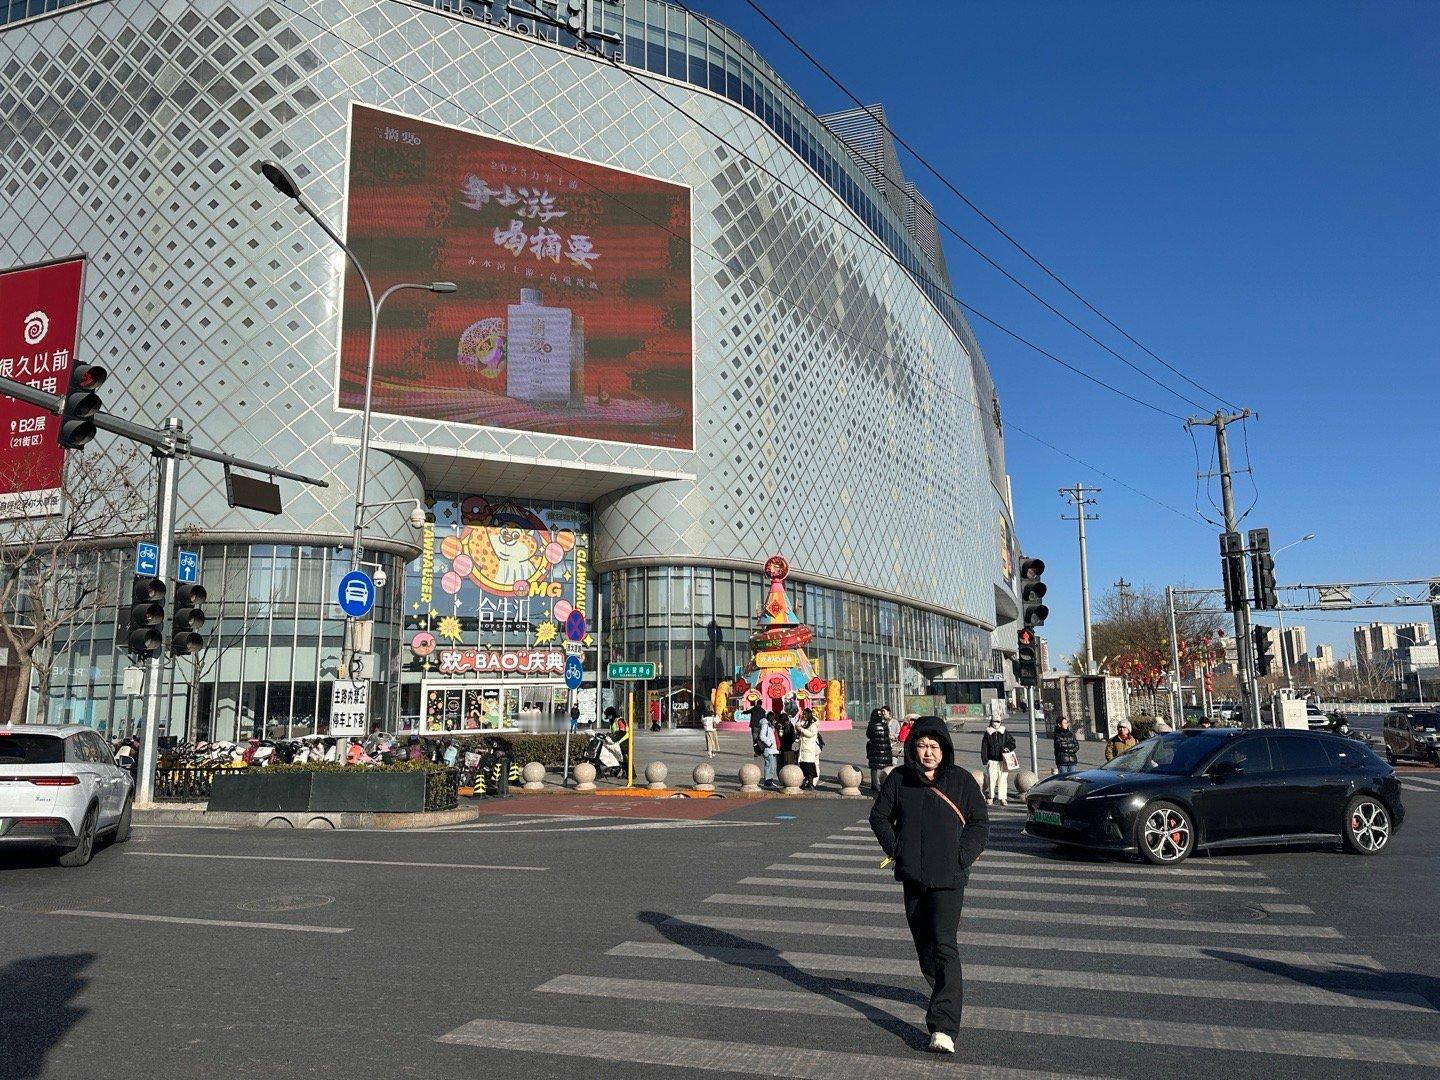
811,771
934,918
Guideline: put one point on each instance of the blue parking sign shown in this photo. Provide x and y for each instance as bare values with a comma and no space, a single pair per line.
574,672
356,594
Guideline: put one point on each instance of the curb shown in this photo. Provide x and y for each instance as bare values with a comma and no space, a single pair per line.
195,814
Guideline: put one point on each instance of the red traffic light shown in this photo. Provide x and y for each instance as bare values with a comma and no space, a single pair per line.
1027,636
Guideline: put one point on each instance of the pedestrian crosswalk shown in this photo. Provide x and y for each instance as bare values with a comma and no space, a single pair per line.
1422,785
1073,967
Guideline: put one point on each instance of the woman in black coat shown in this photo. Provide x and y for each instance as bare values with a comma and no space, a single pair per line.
1067,747
930,819
878,751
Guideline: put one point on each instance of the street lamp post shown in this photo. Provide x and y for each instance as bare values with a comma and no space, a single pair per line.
1285,658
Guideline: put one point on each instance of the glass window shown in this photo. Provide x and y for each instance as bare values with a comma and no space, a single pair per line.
1298,753
1250,756
679,606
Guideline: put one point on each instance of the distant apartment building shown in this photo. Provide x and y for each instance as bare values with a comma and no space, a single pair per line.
1374,641
1293,644
1042,652
1409,634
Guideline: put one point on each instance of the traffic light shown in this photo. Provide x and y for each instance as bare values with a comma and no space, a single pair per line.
1264,659
1032,594
144,637
1262,570
1027,659
186,620
81,404
1232,571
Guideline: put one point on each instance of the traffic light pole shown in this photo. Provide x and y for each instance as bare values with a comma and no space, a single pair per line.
1077,495
1177,696
167,475
1249,691
1034,742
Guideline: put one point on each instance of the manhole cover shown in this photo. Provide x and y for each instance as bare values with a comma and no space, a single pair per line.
1213,912
288,903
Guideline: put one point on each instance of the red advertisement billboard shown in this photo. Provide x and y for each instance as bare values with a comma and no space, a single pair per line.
573,315
39,327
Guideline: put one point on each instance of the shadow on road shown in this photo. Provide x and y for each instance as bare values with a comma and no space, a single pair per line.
37,998
1360,982
716,943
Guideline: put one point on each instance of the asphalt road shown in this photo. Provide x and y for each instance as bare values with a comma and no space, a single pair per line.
759,941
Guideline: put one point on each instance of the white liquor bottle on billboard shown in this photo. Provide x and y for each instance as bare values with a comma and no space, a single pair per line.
545,352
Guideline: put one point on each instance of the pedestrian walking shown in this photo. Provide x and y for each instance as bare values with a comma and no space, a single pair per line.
768,747
787,740
994,746
712,740
574,718
1121,741
879,751
1067,747
757,728
931,821
807,730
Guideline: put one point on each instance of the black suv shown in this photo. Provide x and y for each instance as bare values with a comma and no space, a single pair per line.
1413,735
1222,787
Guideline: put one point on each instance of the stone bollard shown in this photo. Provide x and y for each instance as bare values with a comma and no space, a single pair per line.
749,778
1025,780
584,776
849,780
704,777
534,776
979,776
791,777
655,774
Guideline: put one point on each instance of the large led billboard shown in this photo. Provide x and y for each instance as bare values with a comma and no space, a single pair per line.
573,313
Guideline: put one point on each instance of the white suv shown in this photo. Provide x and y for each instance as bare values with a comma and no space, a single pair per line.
60,786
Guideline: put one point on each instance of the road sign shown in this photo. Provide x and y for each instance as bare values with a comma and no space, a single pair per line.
147,559
574,648
640,672
349,706
574,672
575,626
187,567
356,594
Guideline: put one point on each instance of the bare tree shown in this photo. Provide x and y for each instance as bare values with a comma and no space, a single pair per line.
1132,636
47,585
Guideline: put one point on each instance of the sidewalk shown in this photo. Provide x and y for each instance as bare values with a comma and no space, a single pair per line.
682,749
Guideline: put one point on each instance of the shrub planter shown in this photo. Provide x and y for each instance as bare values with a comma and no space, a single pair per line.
337,791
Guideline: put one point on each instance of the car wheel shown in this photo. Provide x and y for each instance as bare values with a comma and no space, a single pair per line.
122,830
1164,834
80,854
1367,825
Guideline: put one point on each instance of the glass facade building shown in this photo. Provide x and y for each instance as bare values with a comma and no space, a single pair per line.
822,397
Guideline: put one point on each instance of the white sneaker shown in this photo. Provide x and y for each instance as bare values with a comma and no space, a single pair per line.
940,1043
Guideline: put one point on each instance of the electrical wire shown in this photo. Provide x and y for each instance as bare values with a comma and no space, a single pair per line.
974,208
562,163
1198,470
1249,469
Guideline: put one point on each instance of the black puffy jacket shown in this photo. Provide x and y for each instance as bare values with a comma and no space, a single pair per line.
878,751
1067,747
914,825
994,745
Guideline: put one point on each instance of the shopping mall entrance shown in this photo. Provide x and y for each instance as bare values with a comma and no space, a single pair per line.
453,705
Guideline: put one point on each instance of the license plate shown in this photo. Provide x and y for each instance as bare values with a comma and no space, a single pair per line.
1046,817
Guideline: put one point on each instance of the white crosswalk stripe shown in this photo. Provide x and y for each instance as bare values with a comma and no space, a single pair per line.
1422,783
1311,1044
1028,915
893,888
1054,865
1040,878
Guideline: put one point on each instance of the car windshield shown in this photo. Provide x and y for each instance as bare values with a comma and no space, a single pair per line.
1427,723
27,749
1174,754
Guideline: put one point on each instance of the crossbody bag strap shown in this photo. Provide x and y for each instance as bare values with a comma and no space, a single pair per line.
950,804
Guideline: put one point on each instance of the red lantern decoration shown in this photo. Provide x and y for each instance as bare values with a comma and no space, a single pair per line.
815,685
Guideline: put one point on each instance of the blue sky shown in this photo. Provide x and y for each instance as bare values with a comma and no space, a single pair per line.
1251,191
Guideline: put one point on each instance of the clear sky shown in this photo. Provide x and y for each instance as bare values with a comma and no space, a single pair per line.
1251,190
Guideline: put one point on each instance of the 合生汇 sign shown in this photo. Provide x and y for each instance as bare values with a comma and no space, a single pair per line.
39,330
574,672
631,671
147,559
356,594
349,706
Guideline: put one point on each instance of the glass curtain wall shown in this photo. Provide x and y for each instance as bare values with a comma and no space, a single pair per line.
695,623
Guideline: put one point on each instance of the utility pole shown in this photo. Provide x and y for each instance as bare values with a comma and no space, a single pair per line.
1077,496
1177,694
1249,691
166,458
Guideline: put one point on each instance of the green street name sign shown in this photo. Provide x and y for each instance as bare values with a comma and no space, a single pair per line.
631,671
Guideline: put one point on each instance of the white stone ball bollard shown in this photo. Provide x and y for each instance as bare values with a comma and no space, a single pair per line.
749,777
704,777
534,776
655,774
584,776
1025,780
849,778
791,777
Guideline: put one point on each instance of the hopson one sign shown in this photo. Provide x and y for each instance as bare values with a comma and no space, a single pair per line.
560,22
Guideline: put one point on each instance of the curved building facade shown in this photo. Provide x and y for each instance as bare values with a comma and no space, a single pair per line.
688,333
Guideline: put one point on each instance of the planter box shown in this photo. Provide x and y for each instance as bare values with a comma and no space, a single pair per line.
259,791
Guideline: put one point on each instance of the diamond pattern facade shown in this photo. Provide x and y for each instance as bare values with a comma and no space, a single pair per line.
839,418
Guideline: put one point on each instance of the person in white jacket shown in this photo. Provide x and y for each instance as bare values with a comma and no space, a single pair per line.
808,729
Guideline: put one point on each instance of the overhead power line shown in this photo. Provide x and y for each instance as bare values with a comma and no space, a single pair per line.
561,162
819,66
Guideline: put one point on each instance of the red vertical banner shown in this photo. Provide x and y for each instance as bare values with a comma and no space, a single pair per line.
39,330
